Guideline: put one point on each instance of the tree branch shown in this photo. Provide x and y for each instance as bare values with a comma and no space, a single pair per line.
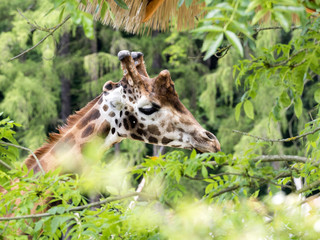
225,50
269,158
94,204
281,158
241,175
278,140
5,165
51,31
257,30
27,149
289,59
35,26
228,189
309,187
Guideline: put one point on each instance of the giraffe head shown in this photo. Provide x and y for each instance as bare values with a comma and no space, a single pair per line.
149,109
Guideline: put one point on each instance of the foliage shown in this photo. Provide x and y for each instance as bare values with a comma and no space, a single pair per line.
259,74
8,154
228,207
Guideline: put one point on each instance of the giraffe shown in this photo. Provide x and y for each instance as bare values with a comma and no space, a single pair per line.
137,107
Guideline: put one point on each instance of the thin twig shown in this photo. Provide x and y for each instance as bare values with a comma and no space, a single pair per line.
281,158
278,140
267,158
228,189
35,26
311,198
5,165
27,149
257,30
221,50
309,187
94,204
42,40
298,64
241,175
289,59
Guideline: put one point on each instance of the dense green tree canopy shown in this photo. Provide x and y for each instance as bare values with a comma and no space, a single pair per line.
248,73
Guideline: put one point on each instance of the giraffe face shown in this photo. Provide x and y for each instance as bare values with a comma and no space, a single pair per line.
149,110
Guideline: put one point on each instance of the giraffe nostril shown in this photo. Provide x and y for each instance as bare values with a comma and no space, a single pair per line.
210,135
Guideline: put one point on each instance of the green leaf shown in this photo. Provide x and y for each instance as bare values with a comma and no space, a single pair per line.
317,95
55,222
242,28
103,11
38,225
213,46
298,106
209,28
285,101
282,20
61,14
121,4
258,16
193,154
235,41
253,5
237,111
209,188
204,172
248,109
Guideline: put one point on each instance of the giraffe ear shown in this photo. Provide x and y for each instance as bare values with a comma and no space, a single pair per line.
117,104
164,84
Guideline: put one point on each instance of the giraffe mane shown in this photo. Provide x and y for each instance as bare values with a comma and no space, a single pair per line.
53,138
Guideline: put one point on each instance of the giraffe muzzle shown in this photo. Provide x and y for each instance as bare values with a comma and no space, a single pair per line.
208,143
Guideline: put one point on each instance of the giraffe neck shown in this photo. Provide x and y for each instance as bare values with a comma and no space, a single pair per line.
65,148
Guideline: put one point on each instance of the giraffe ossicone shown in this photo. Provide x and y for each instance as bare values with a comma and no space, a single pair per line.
137,107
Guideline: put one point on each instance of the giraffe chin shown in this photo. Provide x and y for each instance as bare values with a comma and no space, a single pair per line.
210,149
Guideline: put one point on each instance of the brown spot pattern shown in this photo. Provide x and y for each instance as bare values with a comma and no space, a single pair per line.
92,115
105,107
153,129
88,131
133,121
152,140
112,114
109,86
104,129
170,127
69,139
141,132
166,140
125,124
134,136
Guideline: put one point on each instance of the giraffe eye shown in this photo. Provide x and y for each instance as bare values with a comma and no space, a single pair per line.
149,109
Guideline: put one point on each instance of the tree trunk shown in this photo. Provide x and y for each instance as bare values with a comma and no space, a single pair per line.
65,81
